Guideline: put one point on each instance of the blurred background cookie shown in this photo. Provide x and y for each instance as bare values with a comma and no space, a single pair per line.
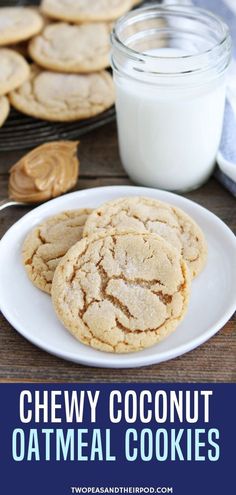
18,24
142,214
84,11
14,70
72,48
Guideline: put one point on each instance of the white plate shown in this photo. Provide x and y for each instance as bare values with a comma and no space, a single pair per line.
213,297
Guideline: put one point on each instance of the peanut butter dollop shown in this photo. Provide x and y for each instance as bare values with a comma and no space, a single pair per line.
45,172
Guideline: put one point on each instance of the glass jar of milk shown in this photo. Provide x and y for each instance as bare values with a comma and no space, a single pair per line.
169,66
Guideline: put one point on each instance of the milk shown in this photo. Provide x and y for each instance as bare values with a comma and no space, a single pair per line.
169,136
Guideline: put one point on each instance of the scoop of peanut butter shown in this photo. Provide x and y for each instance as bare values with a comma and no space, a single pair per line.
45,172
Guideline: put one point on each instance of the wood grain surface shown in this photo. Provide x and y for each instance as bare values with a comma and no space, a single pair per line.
214,361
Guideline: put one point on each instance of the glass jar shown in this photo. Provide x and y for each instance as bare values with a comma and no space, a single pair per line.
169,66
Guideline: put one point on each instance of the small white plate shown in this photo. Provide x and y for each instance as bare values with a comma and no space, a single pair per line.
213,297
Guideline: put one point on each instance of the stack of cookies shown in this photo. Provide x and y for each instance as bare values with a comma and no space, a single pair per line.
120,275
68,42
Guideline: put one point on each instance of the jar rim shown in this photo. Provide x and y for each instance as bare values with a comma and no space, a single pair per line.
175,10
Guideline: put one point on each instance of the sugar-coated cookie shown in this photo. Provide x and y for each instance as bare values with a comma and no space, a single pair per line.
84,10
14,70
121,292
18,24
64,97
72,48
45,246
147,214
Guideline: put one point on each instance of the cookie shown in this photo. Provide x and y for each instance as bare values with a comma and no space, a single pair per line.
147,214
45,246
64,97
46,172
121,292
14,70
4,109
21,48
84,11
72,48
18,24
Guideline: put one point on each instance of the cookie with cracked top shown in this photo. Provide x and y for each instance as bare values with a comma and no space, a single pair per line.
19,24
121,292
45,245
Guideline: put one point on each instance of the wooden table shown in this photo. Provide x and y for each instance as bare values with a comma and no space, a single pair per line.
21,361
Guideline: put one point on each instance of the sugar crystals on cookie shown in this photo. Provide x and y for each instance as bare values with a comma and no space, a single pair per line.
121,292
